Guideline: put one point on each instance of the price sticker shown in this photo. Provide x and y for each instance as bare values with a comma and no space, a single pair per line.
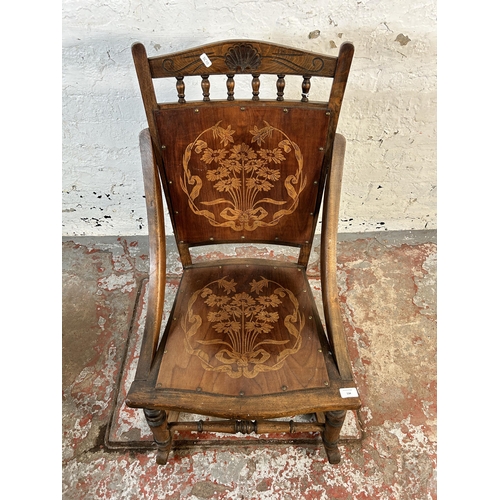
206,60
350,392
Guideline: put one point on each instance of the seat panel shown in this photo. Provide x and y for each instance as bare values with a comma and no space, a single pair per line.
245,329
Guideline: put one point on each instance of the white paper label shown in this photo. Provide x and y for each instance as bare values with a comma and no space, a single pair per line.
350,392
206,60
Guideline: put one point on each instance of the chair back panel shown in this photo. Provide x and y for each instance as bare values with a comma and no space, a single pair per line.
249,170
242,173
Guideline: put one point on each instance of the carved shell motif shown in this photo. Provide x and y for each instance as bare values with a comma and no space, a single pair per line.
243,56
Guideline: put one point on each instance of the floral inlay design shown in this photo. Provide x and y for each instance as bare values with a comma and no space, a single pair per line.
240,323
244,176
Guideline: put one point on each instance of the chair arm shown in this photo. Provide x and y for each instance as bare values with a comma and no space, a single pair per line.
157,256
331,206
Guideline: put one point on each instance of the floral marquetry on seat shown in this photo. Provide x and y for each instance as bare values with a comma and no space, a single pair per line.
244,342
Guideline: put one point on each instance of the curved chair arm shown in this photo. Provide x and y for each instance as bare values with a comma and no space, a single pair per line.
333,317
157,256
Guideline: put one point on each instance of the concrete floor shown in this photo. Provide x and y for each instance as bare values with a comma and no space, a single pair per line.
388,293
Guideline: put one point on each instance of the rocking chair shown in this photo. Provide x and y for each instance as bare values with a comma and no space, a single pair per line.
244,341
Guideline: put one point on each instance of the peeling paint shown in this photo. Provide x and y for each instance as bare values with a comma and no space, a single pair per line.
392,87
402,39
387,292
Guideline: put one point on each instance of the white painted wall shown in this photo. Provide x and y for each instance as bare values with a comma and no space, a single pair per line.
388,116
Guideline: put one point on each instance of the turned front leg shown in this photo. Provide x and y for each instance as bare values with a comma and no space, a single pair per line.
158,423
333,425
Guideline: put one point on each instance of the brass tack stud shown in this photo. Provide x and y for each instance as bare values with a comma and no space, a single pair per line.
328,113
319,350
242,393
211,238
284,387
198,389
243,108
285,110
326,382
196,110
310,317
163,146
242,237
321,149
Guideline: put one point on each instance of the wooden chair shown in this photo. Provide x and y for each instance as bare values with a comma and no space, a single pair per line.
244,341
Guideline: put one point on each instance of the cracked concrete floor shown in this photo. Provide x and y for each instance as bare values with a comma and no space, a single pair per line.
388,293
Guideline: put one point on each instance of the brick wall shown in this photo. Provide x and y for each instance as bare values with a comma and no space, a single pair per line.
388,118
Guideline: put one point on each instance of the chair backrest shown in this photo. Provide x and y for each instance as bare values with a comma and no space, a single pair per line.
243,170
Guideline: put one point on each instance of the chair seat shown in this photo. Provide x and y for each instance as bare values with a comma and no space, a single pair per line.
247,328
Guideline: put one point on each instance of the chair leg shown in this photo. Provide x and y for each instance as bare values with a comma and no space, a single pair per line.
158,423
333,424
